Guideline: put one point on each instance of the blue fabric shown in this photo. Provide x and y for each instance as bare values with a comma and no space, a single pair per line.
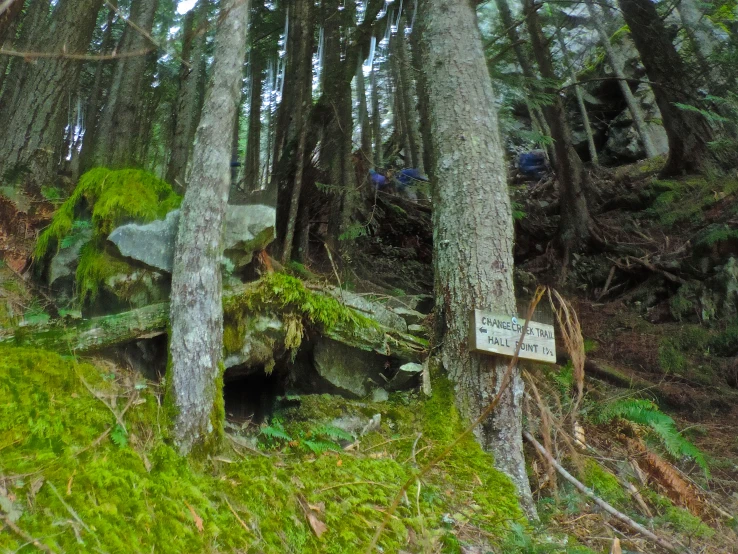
378,180
407,176
533,164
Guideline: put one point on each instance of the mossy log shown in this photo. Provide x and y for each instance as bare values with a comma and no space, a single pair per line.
96,334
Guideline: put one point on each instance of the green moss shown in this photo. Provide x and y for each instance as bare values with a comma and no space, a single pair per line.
113,198
278,292
686,523
671,360
715,235
94,268
685,200
603,483
140,496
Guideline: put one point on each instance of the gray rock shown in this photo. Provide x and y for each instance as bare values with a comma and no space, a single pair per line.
422,303
139,288
411,317
417,330
380,395
152,244
369,308
64,263
247,229
406,375
257,352
350,371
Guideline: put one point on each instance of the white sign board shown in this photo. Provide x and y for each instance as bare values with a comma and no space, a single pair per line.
499,334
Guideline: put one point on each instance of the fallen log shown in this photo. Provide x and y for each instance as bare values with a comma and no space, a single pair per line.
99,333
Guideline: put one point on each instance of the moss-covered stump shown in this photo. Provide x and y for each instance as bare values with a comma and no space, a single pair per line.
87,468
75,244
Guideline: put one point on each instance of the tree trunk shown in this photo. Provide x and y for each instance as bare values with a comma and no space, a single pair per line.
197,309
574,230
8,26
119,145
302,67
580,100
34,121
409,104
377,121
252,165
422,95
364,123
187,110
336,148
616,63
688,131
703,38
472,225
93,104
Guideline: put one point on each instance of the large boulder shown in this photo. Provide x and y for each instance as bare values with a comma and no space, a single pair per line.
369,308
350,372
63,265
248,228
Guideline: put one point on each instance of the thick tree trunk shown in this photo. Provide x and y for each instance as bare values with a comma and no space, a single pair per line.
580,101
197,309
472,225
187,111
302,67
119,144
688,132
336,147
616,63
34,121
252,165
422,95
575,227
93,104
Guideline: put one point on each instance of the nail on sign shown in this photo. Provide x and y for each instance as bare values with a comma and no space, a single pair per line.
499,334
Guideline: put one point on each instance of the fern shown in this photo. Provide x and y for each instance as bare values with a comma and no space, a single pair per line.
646,413
119,436
275,432
318,447
332,433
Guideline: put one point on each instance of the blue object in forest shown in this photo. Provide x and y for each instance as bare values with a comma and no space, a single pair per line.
533,164
378,180
409,176
235,163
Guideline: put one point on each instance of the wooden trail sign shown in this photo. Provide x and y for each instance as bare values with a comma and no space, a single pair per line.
499,334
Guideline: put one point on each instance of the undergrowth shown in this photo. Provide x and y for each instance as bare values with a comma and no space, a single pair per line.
80,478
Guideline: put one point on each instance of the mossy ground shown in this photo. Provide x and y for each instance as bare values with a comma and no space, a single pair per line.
80,480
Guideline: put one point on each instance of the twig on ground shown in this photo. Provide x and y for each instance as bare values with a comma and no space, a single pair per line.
25,536
663,543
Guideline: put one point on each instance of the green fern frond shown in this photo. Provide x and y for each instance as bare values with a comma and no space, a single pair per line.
646,413
275,431
332,433
320,446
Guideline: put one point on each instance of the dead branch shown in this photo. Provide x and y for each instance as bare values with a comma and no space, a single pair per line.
663,543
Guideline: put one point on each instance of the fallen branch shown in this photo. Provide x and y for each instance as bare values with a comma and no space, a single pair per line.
25,536
663,543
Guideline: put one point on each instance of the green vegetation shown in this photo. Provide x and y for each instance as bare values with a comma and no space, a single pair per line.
112,198
685,200
64,451
603,483
288,296
661,426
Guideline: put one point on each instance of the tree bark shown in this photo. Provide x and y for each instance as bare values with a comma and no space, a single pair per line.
409,104
616,63
472,225
197,308
688,132
377,121
575,226
704,41
118,146
9,17
35,119
187,112
252,165
93,104
364,123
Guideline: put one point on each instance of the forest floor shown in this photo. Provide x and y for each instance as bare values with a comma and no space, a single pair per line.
659,323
